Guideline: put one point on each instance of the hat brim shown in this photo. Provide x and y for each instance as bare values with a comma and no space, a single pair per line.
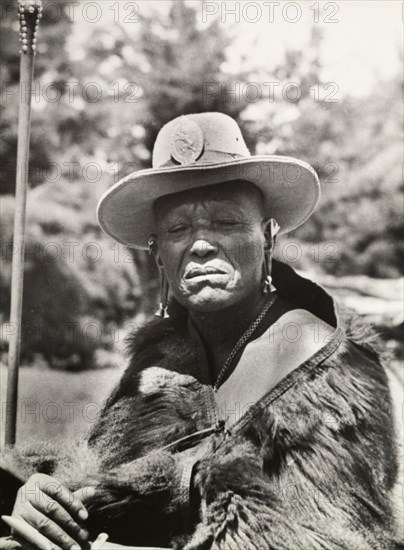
290,187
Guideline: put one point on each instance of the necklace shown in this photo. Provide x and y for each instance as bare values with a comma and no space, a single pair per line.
244,338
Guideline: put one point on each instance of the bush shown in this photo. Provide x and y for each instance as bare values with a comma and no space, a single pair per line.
77,289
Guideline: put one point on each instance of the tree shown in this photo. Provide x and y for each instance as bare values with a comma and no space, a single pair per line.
54,30
173,67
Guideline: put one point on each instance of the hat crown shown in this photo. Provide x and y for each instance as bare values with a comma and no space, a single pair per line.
199,138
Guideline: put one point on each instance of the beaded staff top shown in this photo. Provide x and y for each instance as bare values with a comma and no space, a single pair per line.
30,12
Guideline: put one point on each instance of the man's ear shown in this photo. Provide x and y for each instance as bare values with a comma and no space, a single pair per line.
271,228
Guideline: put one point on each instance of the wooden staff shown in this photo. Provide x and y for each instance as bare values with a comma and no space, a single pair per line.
30,12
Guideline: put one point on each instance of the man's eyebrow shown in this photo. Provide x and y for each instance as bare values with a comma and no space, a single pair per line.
186,208
170,218
173,217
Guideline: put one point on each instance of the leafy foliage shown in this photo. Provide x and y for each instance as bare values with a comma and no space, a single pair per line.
78,290
149,74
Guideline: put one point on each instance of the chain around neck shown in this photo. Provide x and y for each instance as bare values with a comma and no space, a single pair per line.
244,338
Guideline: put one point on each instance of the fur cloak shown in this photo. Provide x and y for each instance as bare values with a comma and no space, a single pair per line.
313,468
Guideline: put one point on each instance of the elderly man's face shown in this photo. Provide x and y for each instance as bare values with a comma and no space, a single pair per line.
211,242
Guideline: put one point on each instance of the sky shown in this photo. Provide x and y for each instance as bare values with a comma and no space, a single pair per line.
362,39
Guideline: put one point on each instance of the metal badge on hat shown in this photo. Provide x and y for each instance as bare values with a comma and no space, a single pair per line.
186,142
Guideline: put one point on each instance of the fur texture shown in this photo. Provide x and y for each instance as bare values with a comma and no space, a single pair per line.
313,470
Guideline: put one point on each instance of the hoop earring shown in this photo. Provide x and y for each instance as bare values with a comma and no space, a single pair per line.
164,288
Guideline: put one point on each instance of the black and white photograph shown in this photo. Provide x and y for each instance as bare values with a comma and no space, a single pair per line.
201,275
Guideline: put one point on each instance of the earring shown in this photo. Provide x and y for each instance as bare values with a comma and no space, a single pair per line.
164,288
268,255
267,279
162,311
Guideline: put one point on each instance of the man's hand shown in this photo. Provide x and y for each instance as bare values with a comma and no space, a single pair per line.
57,513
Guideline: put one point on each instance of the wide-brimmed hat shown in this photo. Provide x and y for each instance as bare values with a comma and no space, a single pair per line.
198,150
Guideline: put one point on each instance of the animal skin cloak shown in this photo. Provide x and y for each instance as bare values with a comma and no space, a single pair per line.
311,466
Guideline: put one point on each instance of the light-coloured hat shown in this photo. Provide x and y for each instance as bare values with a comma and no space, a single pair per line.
205,149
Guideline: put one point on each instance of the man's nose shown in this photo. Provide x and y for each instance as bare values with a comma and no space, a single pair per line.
202,248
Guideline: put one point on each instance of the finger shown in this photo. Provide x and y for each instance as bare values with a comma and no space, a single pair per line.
10,543
85,494
54,489
23,530
55,511
19,543
49,529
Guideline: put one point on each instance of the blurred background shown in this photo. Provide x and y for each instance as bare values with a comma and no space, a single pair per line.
318,81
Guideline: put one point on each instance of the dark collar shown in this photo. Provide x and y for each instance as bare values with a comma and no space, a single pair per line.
304,293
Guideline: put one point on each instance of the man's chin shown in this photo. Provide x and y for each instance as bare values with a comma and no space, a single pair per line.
209,299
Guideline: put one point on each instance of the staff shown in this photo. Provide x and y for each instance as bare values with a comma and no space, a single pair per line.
30,12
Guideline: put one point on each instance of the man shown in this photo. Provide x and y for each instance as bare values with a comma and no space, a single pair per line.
254,413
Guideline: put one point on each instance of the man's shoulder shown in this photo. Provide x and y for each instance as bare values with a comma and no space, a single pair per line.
351,352
297,336
303,327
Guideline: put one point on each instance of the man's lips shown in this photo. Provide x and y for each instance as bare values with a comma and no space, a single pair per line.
193,271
